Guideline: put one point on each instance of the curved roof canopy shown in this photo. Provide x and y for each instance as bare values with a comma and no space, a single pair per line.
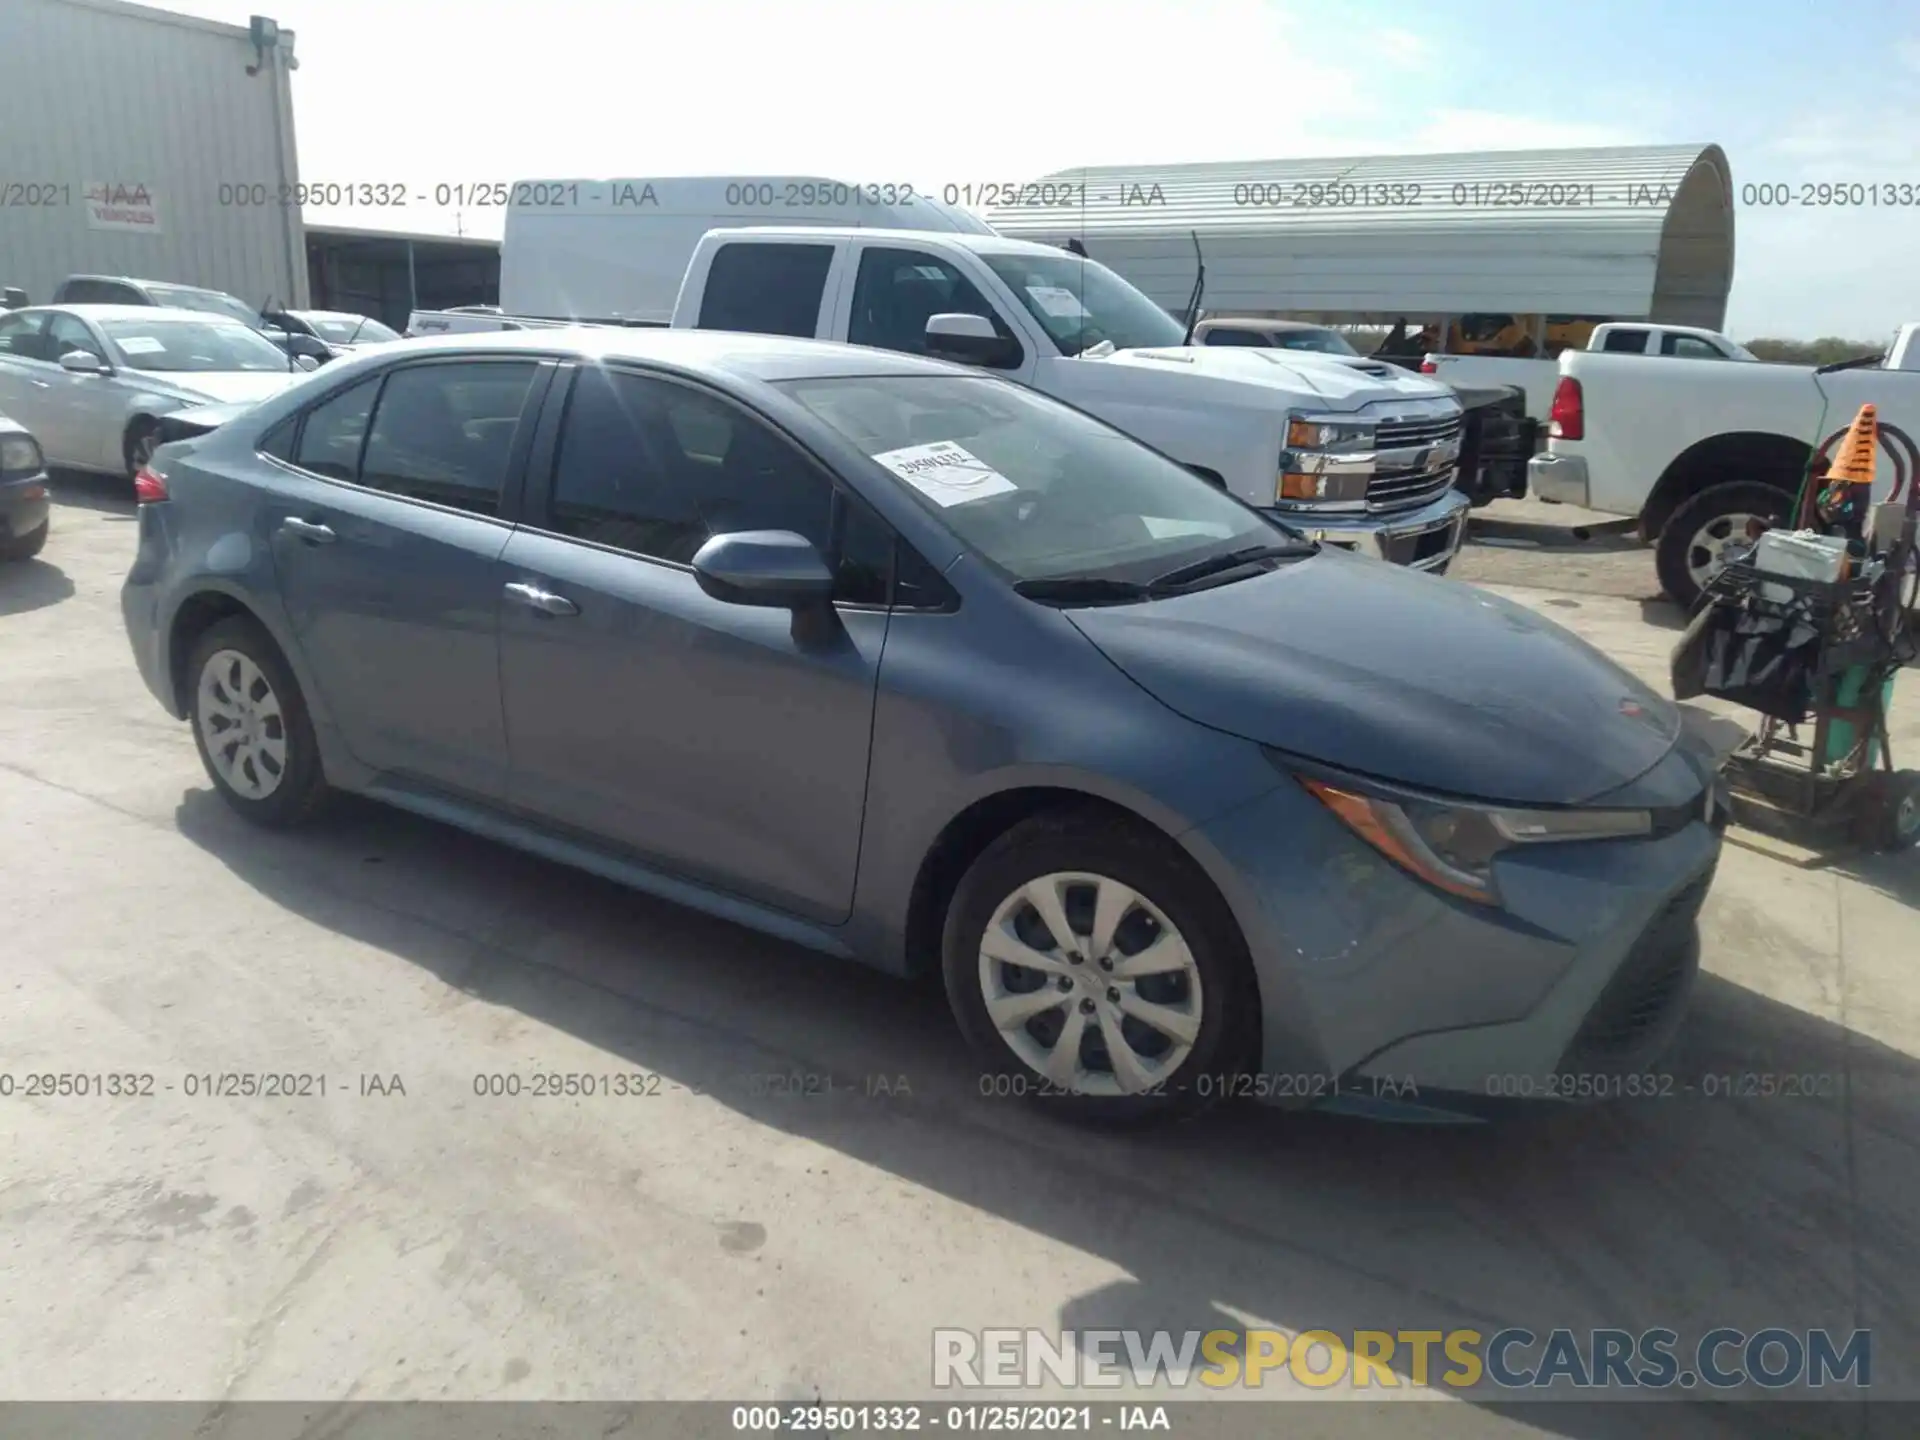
1623,232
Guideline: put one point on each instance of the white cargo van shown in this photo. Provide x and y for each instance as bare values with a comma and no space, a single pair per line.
616,250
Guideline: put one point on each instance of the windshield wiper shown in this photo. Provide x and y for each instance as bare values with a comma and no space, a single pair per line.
1185,575
1082,590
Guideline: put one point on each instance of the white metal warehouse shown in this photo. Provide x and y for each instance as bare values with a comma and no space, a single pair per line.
1626,232
143,143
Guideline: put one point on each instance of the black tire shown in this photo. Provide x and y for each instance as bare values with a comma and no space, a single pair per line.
1887,816
1717,503
301,788
25,547
143,438
1173,884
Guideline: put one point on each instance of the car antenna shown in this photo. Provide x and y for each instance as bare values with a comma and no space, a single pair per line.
356,330
1199,289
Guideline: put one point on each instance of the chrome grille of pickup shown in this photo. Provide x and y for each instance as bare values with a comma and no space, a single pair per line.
1415,461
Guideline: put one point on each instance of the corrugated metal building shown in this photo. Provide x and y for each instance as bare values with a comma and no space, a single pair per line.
1642,232
140,142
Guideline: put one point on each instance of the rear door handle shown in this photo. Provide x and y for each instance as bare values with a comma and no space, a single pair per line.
308,531
545,601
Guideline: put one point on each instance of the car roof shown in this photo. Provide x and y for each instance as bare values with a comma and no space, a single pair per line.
759,357
139,312
906,239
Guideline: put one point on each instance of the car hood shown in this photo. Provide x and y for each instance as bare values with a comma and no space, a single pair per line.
1343,381
1402,676
199,386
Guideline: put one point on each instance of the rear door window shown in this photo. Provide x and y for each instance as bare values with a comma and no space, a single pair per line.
766,288
444,433
331,438
1627,342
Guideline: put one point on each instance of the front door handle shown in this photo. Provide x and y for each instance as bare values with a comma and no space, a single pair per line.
308,531
545,601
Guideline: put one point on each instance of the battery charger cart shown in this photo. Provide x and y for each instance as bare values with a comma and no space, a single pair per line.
1843,642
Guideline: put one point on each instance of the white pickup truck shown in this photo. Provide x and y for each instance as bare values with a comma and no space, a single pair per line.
1538,377
1695,450
1353,451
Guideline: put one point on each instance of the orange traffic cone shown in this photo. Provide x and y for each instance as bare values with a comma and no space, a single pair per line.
1853,461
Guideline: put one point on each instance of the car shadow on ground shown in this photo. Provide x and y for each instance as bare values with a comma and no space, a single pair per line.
1768,1179
32,585
108,494
1503,533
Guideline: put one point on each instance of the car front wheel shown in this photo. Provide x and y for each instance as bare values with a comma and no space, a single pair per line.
1094,969
25,547
251,727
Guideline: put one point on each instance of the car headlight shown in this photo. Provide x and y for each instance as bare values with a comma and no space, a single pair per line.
1327,461
1452,845
1312,434
20,455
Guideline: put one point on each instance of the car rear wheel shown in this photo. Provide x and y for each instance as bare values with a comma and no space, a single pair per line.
1093,969
1701,535
25,547
251,727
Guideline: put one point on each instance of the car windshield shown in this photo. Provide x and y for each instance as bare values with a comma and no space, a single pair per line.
213,302
1328,342
348,329
200,345
1080,303
1040,490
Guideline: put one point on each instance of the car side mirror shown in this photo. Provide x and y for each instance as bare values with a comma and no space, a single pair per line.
306,362
969,339
82,362
773,568
13,298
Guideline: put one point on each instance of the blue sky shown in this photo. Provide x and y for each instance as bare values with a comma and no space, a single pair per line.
936,91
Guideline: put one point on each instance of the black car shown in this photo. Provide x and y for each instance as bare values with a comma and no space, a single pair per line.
25,509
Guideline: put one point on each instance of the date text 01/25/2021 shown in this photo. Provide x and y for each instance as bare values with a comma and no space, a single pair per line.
195,1085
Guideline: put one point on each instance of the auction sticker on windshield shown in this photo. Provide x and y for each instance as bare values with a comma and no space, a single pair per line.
141,345
946,473
1058,301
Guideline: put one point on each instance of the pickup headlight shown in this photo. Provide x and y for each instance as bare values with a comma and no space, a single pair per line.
1327,460
1452,845
20,456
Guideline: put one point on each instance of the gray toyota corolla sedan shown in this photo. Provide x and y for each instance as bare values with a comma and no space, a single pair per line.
923,669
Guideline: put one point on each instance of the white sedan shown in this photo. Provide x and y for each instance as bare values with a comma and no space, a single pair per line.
91,381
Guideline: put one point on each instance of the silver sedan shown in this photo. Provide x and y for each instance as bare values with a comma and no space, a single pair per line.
91,381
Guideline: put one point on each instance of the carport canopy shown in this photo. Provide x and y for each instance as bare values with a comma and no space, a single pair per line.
1633,232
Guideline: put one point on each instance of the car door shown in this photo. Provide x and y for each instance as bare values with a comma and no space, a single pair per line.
896,290
83,411
387,539
25,382
726,743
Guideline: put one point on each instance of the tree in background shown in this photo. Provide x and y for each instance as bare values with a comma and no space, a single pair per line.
1824,351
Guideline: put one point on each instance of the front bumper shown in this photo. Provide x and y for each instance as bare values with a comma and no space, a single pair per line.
1561,479
25,505
1383,997
1422,539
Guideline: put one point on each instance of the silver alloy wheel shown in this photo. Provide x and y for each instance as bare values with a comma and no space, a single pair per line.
144,444
1712,543
241,723
1107,1002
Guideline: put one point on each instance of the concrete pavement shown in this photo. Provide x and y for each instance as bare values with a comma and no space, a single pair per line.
408,1235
